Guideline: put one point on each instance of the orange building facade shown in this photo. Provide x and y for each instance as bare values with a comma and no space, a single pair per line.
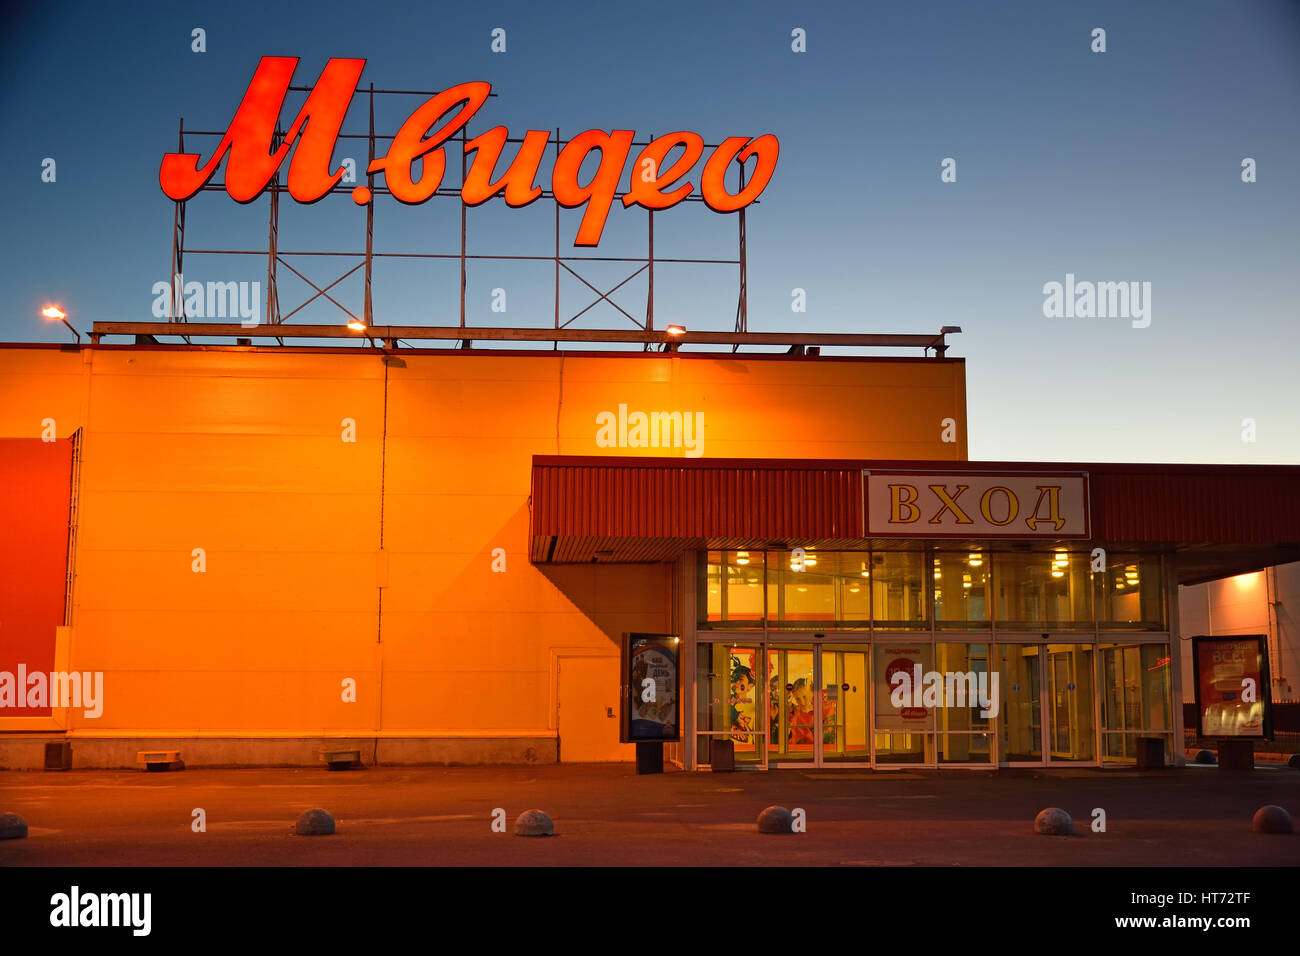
274,552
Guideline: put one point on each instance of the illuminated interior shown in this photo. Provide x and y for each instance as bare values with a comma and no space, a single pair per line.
1073,686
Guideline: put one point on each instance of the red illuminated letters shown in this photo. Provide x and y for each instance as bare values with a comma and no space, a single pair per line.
248,139
251,162
650,193
518,181
599,193
411,144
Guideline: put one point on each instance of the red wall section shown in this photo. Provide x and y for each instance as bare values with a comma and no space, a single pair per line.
35,498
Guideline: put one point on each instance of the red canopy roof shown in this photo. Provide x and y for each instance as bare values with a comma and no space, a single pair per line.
1218,519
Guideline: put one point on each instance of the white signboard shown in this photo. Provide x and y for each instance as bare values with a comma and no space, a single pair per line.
975,505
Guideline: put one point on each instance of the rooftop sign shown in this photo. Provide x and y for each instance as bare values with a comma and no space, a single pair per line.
975,505
253,158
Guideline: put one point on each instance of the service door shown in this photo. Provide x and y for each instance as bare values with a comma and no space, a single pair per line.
587,715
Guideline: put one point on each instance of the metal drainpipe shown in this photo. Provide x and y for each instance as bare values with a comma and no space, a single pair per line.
1274,625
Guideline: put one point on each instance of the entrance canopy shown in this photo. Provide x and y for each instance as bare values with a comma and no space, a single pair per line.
1214,520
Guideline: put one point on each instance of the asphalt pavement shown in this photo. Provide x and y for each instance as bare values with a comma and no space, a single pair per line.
607,815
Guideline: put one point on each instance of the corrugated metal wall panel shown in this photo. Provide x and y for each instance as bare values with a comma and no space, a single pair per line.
1181,508
695,503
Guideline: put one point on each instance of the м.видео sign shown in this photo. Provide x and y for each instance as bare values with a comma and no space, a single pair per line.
252,162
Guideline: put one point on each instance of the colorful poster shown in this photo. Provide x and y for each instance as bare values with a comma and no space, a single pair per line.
1232,686
742,697
652,689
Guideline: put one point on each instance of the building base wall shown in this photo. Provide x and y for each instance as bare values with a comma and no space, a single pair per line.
27,751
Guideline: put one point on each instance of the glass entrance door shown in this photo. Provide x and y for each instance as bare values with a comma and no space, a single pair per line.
846,696
1072,731
818,703
1020,729
794,711
1048,703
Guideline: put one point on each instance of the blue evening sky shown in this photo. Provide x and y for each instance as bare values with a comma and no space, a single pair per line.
1115,166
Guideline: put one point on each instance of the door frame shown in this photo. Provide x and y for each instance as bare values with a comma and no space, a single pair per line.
1076,706
866,646
793,640
1044,713
558,655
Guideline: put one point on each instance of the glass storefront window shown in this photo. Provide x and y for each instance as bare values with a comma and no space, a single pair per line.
855,582
1130,593
801,587
793,700
971,590
1043,590
903,731
971,660
961,589
898,589
1135,699
965,748
963,732
733,587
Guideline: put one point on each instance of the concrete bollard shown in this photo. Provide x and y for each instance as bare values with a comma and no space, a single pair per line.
1054,822
1272,819
534,823
776,820
1204,757
12,827
314,822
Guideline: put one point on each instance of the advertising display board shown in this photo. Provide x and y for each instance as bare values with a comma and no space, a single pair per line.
1233,698
651,691
905,658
